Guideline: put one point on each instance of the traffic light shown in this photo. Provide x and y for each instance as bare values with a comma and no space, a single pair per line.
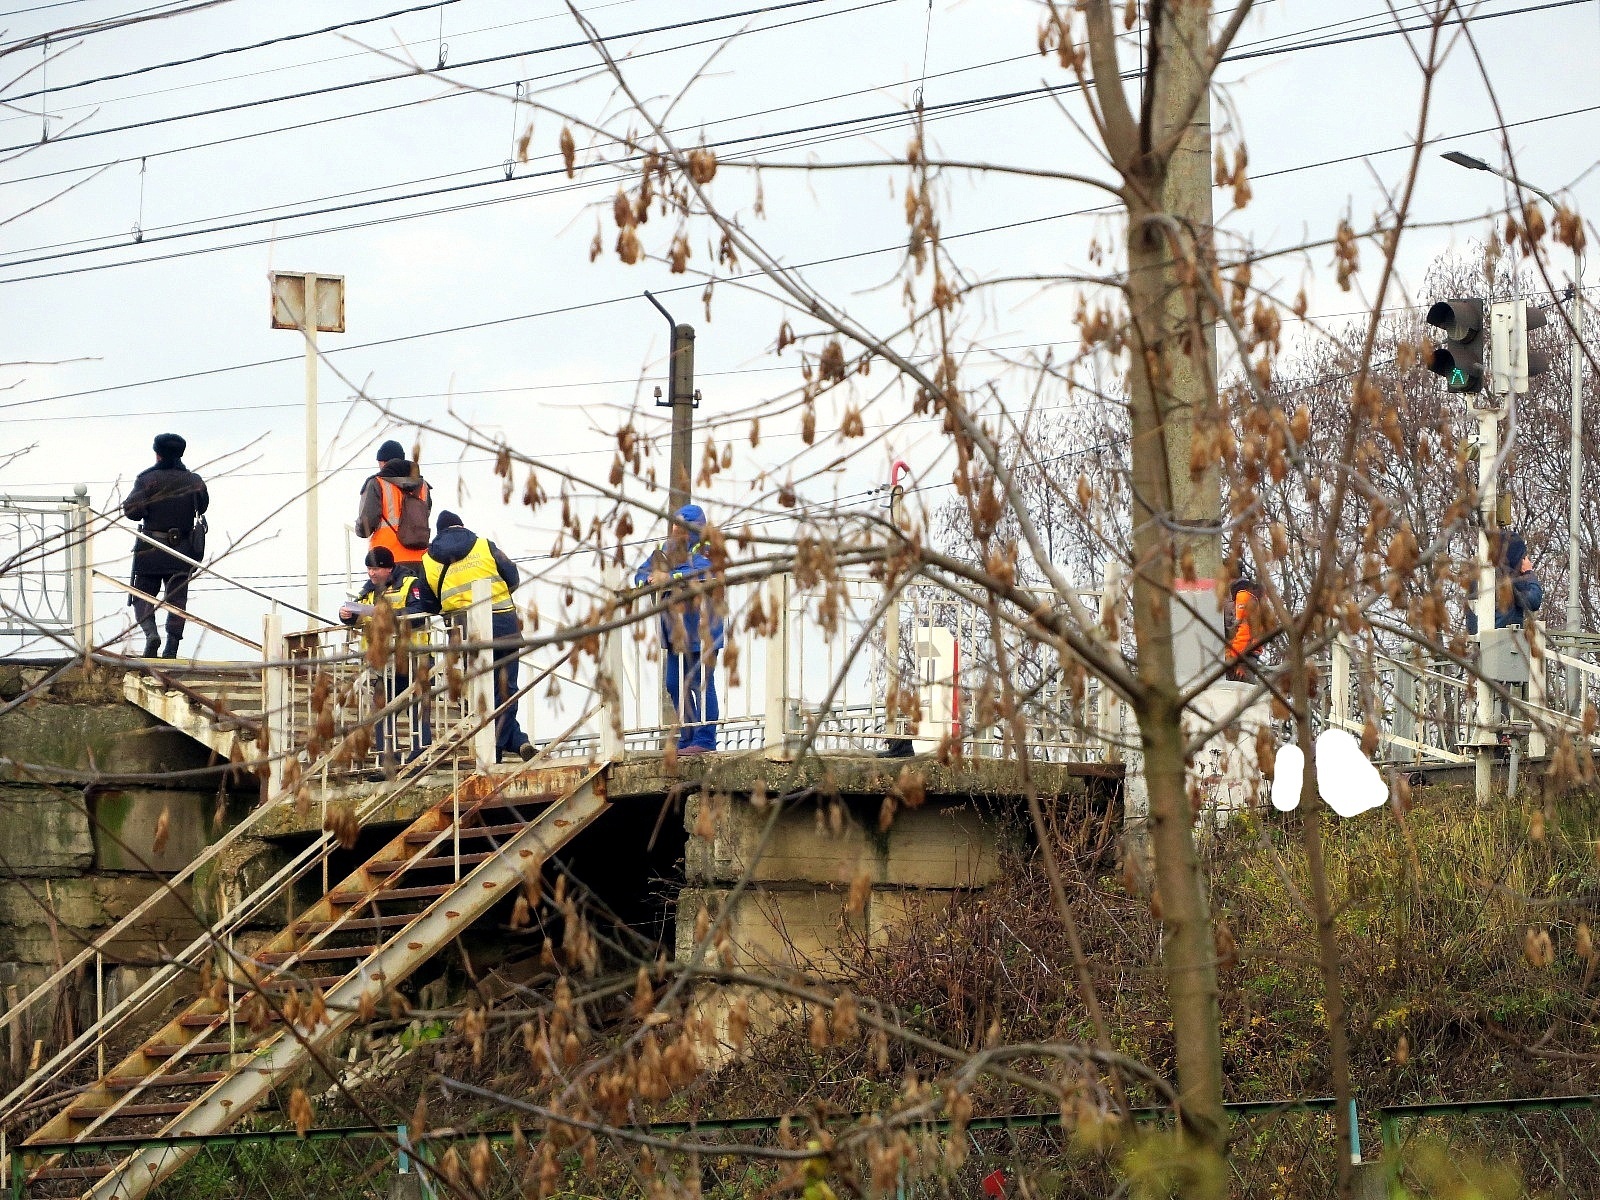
1460,359
1526,363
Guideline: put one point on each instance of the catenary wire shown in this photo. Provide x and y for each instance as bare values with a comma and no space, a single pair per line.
358,113
1019,95
584,306
352,85
145,233
57,89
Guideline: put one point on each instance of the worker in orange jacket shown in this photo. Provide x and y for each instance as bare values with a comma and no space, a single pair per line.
1244,598
396,507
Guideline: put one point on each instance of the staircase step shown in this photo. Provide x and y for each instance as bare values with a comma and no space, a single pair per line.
189,1079
504,802
394,893
88,1112
99,1171
198,1050
423,837
425,864
320,954
207,1020
279,985
391,921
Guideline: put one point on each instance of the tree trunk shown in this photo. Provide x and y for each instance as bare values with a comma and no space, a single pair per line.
1188,951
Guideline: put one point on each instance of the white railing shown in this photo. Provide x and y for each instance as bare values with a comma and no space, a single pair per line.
811,664
45,558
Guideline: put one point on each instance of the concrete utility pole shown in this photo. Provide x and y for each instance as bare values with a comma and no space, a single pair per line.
683,400
1183,46
308,302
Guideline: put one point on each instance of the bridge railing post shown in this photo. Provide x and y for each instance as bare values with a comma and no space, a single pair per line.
1537,685
776,728
275,701
480,674
1339,684
82,560
613,675
1406,724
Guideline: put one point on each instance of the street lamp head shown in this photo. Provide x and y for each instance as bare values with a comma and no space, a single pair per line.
1465,160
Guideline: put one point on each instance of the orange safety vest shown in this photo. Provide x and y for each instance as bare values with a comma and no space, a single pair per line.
1244,603
387,534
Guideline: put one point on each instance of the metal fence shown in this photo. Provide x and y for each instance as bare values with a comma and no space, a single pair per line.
1532,1147
44,572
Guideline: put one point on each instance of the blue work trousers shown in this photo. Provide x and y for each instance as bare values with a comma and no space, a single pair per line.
509,737
692,684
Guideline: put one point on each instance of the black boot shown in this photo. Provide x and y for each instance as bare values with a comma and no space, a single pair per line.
171,648
897,748
152,647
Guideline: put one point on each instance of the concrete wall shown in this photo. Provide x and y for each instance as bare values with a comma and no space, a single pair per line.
85,783
795,912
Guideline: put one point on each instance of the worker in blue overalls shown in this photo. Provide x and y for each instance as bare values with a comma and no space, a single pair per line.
691,628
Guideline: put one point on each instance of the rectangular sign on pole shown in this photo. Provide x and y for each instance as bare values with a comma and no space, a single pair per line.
289,300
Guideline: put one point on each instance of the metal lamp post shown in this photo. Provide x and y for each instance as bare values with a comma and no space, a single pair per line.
1576,475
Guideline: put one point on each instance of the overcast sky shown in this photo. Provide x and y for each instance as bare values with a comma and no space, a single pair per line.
474,293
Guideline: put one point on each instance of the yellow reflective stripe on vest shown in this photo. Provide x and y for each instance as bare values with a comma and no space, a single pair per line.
477,564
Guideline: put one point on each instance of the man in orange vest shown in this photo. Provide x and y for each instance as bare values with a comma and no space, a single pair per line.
396,506
1244,596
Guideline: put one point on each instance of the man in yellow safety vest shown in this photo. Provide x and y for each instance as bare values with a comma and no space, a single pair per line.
400,588
455,560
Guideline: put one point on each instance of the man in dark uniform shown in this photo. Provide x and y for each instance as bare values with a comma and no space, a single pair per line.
167,498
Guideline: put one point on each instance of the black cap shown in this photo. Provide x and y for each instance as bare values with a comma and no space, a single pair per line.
390,451
380,556
447,520
169,445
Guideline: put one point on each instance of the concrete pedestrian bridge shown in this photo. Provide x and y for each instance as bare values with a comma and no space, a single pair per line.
306,836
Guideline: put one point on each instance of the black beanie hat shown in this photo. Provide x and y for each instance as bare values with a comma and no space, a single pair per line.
1516,550
169,445
390,451
447,520
380,556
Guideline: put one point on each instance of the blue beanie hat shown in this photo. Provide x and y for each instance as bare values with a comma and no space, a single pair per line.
447,520
693,516
390,451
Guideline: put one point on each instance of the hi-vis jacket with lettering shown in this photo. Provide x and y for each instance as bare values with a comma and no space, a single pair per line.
455,561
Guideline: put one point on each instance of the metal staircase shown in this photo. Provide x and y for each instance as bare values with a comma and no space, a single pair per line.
258,1017
219,705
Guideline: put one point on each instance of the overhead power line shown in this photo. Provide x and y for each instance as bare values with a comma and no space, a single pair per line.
939,109
385,108
57,89
897,116
352,85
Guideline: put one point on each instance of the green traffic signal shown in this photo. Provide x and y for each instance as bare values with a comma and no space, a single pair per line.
1460,359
